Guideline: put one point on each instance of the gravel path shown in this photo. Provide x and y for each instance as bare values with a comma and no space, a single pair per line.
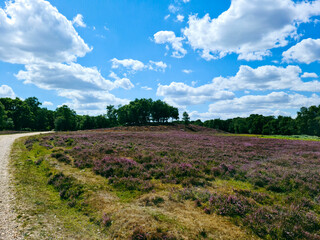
8,226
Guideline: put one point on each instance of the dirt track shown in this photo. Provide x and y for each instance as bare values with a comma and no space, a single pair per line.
8,226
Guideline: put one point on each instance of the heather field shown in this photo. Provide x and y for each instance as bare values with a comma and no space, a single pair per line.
176,184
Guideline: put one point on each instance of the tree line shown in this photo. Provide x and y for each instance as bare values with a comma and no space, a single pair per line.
28,115
307,122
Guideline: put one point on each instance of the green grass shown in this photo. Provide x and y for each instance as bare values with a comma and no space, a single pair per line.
41,212
292,137
285,137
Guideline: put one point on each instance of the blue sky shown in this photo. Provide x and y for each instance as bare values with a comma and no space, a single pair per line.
211,58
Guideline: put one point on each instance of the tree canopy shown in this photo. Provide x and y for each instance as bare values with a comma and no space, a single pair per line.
27,115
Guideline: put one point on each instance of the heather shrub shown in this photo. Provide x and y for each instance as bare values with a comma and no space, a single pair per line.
282,223
67,186
153,201
106,220
130,183
30,141
111,166
261,198
61,157
39,161
139,234
231,205
190,194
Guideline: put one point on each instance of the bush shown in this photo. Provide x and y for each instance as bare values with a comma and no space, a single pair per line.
61,157
111,166
130,183
231,205
139,234
67,186
154,200
106,220
282,223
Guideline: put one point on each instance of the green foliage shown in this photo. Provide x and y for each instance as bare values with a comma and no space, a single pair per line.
65,119
306,123
2,116
143,111
185,118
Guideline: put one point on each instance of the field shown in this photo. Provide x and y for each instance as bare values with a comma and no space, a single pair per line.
167,184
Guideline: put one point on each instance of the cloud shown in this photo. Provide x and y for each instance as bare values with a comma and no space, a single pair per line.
275,103
91,102
6,92
146,88
180,18
187,71
157,66
185,1
46,104
306,51
131,64
124,83
166,17
309,75
169,37
173,9
34,32
78,21
249,28
266,78
58,76
254,103
180,94
136,65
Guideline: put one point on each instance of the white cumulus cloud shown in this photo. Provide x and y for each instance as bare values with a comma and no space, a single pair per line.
306,51
249,28
34,31
47,103
180,18
157,66
131,64
275,103
58,76
78,21
266,78
169,37
6,92
310,75
180,94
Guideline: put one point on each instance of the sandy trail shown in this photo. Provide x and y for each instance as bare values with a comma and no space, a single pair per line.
8,225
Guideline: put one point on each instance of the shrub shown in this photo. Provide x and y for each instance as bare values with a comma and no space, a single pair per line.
139,234
130,183
106,220
61,157
231,205
67,186
154,200
111,166
282,223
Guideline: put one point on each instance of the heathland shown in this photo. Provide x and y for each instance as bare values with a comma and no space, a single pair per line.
167,182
